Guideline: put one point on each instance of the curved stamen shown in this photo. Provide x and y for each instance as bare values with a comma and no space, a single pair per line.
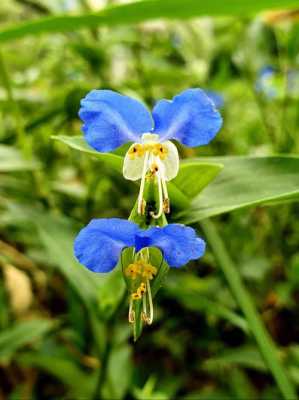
166,202
140,206
131,316
160,212
150,317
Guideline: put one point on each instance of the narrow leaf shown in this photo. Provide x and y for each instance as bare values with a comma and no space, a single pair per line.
244,182
194,176
78,143
140,11
21,334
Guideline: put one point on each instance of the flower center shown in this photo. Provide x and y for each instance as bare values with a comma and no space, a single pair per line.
155,148
154,153
141,273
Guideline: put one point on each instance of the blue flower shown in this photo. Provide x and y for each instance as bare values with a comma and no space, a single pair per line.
111,119
98,246
266,82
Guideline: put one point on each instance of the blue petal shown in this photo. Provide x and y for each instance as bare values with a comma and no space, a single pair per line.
265,82
178,243
191,118
111,119
99,244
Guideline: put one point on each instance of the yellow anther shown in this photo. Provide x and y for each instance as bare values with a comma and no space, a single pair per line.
160,150
136,296
149,271
153,170
157,149
166,206
136,150
142,289
133,270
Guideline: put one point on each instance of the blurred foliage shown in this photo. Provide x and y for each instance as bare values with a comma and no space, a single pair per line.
64,330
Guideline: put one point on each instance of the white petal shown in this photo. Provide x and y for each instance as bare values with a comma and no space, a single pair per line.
171,161
132,168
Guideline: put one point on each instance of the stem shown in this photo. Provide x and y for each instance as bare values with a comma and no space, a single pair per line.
104,355
256,326
13,104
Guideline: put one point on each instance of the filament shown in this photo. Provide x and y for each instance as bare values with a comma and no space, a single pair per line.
140,209
150,301
131,316
158,215
165,193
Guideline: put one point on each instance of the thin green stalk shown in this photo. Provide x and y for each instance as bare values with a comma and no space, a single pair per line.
256,326
14,106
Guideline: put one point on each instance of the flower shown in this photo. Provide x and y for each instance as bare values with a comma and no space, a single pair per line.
99,245
111,119
266,82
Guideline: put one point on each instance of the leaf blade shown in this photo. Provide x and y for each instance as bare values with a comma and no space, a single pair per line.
78,143
137,12
237,185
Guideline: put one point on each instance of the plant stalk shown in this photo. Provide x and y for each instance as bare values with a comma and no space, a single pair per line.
256,326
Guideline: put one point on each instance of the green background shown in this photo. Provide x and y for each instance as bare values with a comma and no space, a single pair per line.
226,326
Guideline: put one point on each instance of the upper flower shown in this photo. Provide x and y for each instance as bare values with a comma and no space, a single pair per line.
111,119
98,246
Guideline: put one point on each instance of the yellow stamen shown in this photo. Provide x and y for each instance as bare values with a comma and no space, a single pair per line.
137,150
160,150
133,270
142,289
157,149
131,316
149,271
136,296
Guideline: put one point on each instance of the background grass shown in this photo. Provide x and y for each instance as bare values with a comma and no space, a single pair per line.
64,330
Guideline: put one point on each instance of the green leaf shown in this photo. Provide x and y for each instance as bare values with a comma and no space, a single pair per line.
142,11
100,293
194,176
21,334
193,293
82,384
119,372
12,160
244,182
247,356
78,143
57,236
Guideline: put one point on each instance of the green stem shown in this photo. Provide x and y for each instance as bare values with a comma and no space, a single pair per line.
13,104
256,326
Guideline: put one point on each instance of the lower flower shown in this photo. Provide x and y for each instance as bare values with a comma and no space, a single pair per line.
100,245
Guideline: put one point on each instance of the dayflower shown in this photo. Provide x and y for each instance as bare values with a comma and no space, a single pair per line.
99,245
266,82
111,119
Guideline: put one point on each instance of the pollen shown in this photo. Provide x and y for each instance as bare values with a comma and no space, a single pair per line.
142,289
157,149
149,271
137,150
139,292
136,296
133,270
160,150
154,168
